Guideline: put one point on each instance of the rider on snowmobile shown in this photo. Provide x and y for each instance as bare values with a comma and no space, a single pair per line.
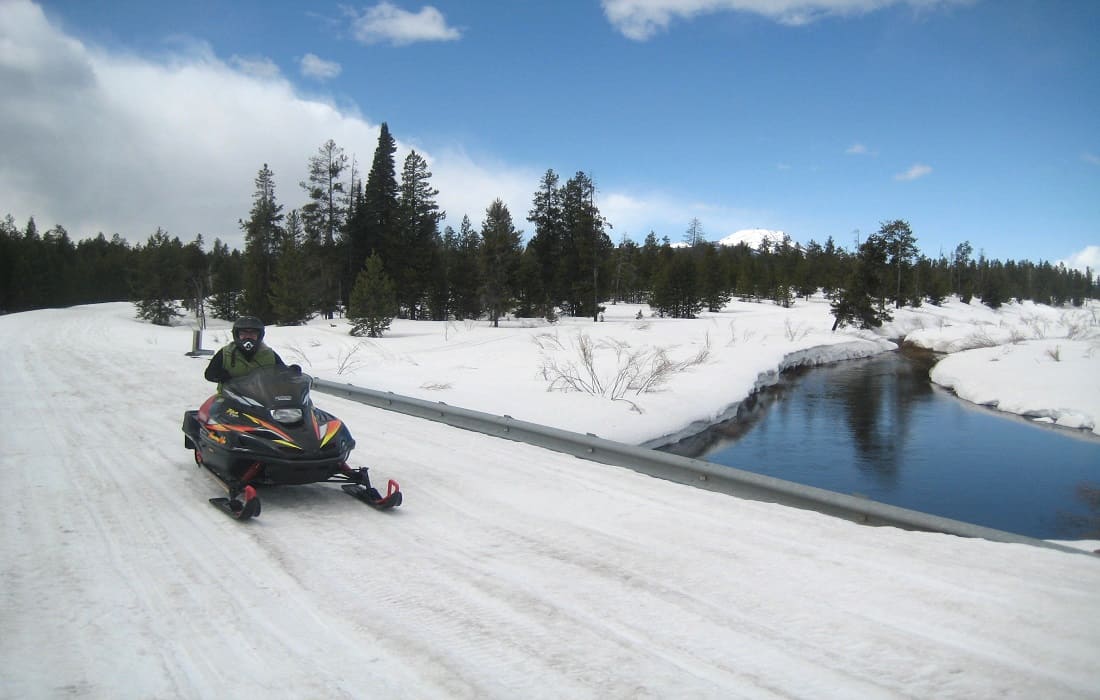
246,353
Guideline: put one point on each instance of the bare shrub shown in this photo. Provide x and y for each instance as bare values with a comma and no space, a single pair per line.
978,339
298,354
1037,325
633,371
794,332
547,341
1016,336
346,361
1055,353
1082,325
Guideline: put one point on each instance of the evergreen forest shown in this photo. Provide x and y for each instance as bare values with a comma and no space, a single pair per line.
372,249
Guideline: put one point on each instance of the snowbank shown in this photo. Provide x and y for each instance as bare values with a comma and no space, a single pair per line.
1035,361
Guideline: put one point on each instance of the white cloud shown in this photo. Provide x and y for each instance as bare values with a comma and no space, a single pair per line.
1091,158
314,67
256,66
114,143
385,22
636,214
917,171
467,186
1088,257
859,149
642,19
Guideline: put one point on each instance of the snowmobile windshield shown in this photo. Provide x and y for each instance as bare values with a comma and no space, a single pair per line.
272,386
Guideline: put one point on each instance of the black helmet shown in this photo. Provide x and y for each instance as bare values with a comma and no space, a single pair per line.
250,323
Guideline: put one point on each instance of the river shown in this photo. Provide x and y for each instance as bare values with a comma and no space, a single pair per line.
879,428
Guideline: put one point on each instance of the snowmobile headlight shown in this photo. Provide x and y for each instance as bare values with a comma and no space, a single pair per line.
287,415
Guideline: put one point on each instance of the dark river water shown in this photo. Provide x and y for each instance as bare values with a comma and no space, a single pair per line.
879,428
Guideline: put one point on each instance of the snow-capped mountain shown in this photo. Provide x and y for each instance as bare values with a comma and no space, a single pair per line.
752,237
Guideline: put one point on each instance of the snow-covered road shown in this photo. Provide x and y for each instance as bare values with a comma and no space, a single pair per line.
510,572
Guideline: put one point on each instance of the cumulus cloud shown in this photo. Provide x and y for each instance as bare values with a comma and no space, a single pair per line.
256,66
115,143
387,23
915,172
636,214
314,67
1087,258
642,19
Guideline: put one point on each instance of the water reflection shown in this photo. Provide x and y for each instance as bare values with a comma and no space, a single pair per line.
1088,525
879,428
878,399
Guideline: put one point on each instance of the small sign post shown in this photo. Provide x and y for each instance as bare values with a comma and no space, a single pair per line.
196,345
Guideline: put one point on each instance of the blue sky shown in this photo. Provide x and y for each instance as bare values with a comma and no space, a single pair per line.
973,120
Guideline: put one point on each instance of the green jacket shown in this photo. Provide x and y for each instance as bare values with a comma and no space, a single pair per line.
230,363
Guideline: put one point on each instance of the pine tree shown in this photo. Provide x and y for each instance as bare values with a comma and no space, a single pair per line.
324,215
226,283
902,247
104,269
586,249
373,302
10,254
375,214
713,289
416,235
694,234
261,234
648,258
624,281
546,247
938,275
159,281
856,302
323,218
444,266
290,288
676,286
197,279
499,262
465,276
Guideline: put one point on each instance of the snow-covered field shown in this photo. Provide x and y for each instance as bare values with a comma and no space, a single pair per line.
511,571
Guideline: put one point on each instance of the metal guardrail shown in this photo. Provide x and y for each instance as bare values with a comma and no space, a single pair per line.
682,470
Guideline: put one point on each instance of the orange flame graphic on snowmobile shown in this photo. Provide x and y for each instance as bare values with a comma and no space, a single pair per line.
331,428
325,431
263,426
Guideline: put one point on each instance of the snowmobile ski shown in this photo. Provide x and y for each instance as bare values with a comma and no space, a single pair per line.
370,495
241,510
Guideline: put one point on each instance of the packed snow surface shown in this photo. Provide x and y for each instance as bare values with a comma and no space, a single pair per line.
511,571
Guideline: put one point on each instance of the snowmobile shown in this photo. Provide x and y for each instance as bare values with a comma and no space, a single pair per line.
263,430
